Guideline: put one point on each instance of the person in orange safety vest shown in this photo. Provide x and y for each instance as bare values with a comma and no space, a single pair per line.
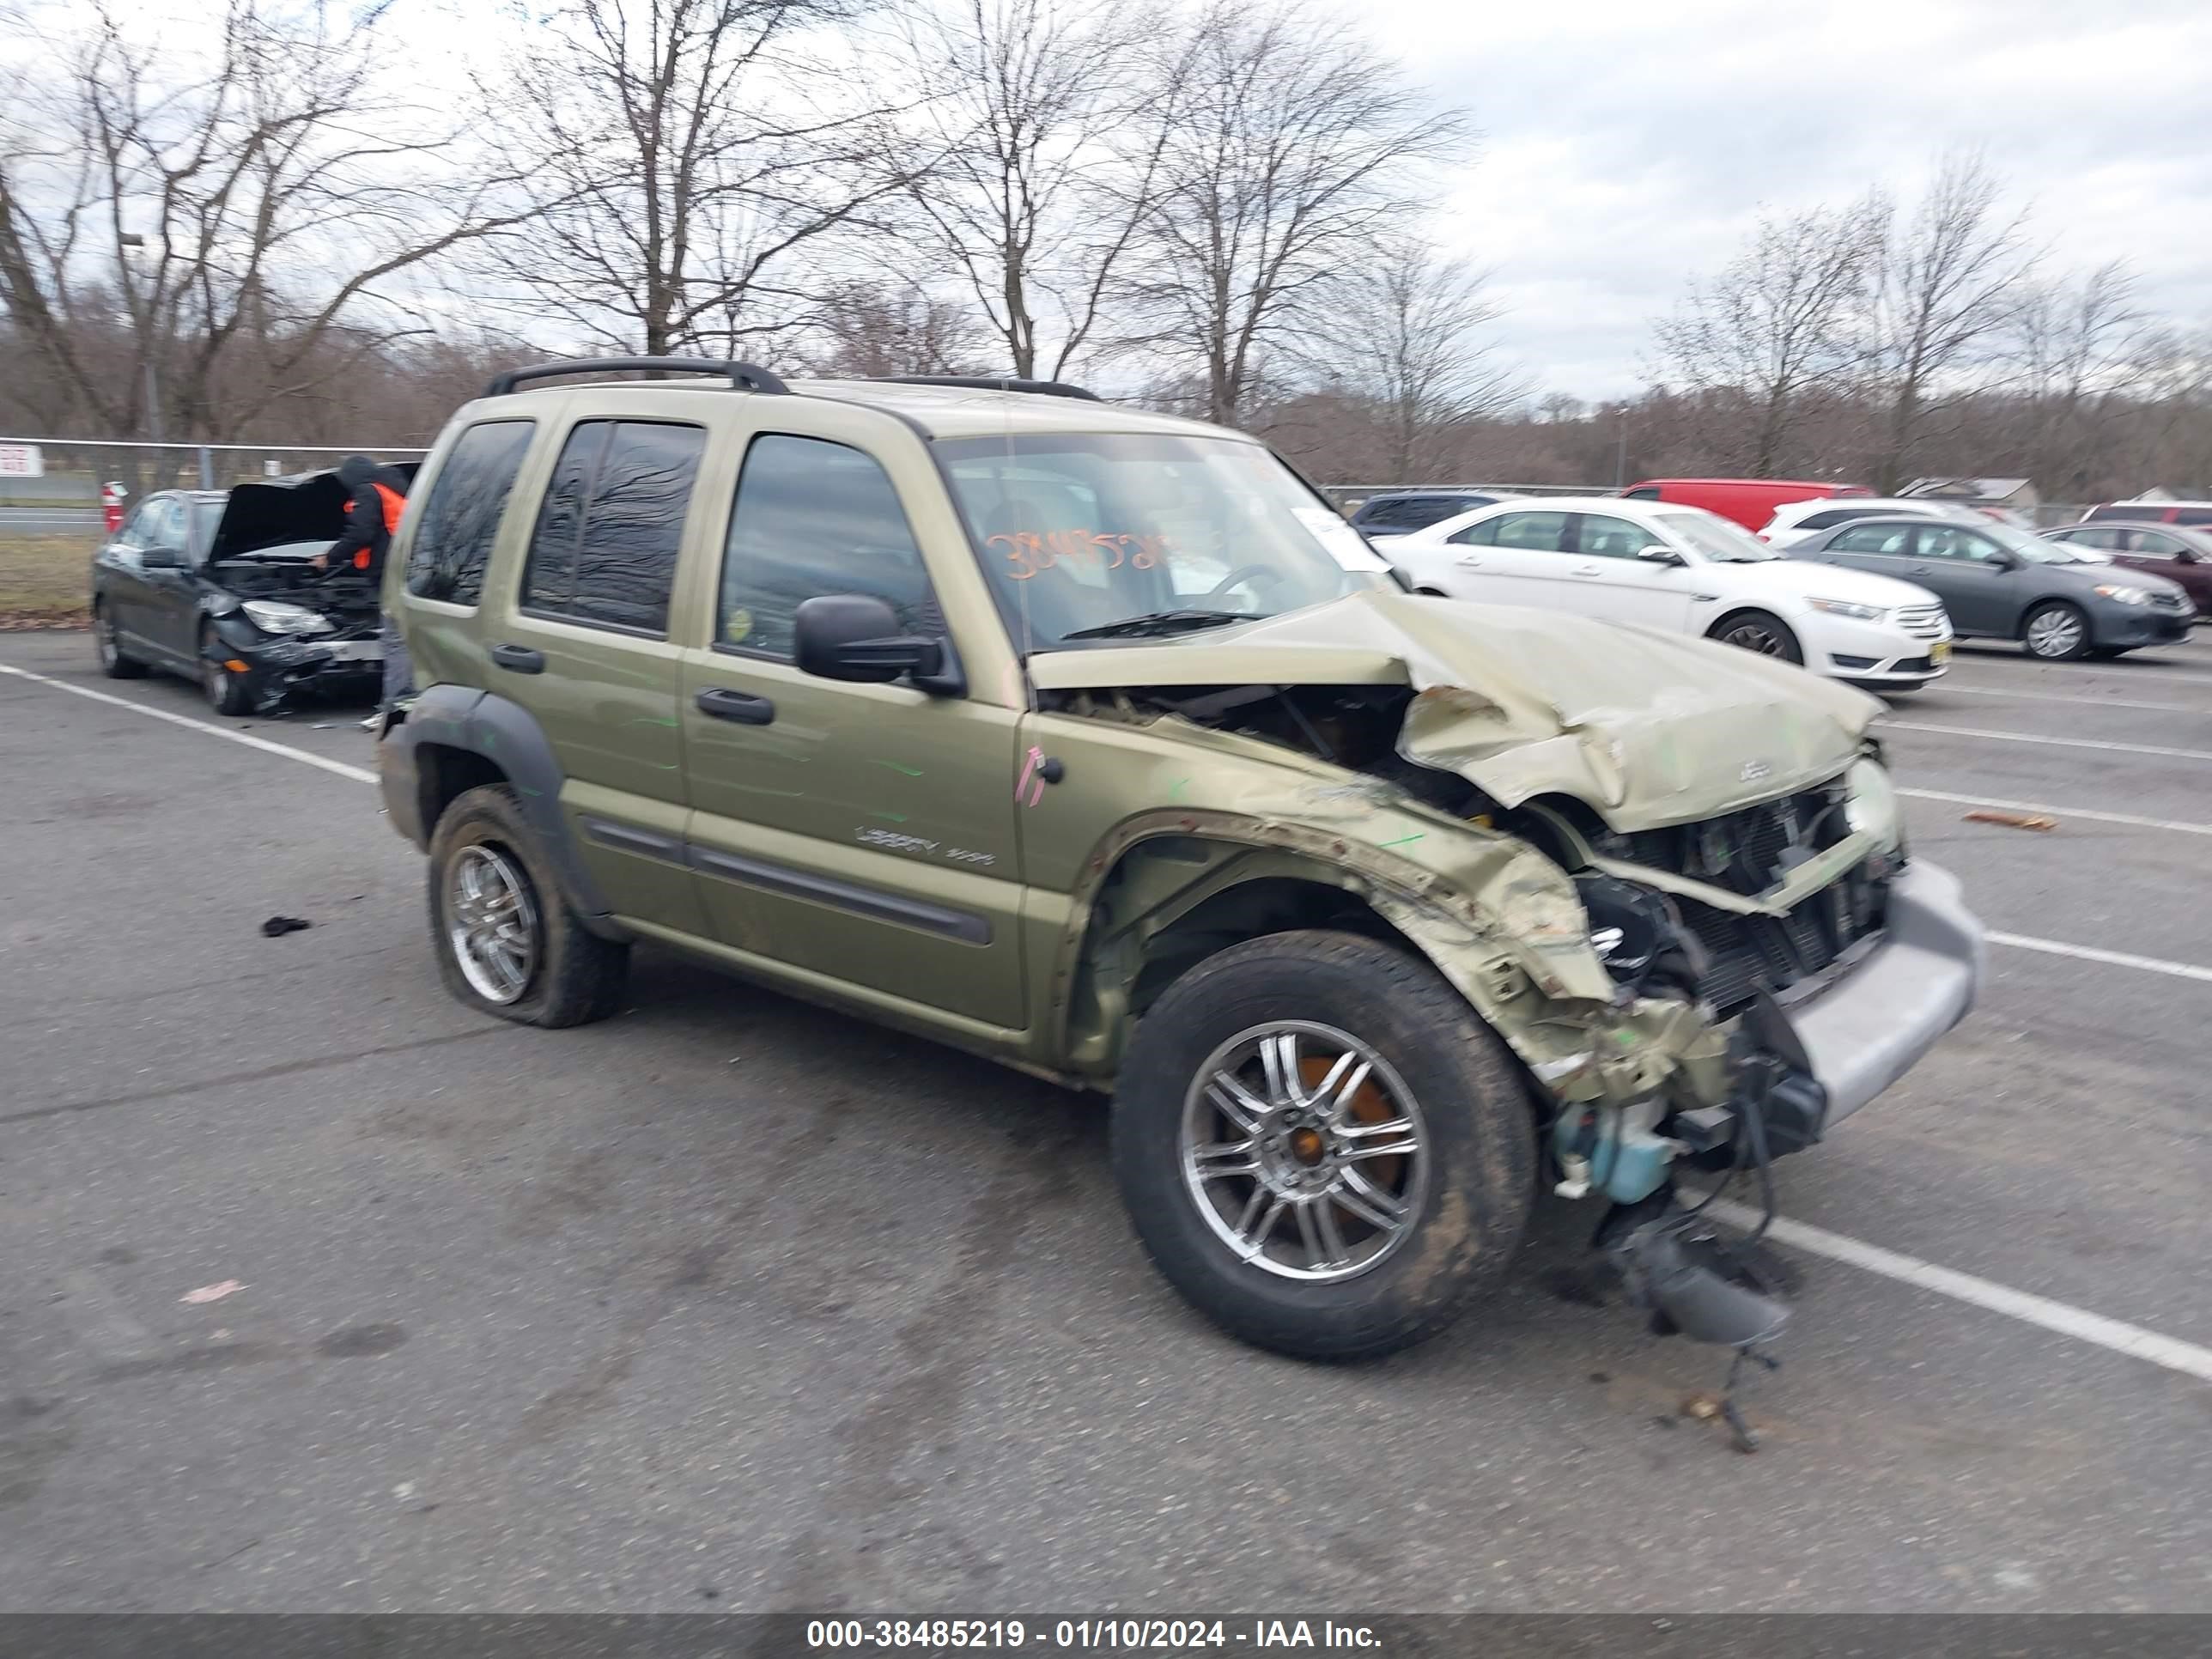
375,497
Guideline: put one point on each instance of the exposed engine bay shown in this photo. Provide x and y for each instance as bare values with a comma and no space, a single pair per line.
347,600
1661,943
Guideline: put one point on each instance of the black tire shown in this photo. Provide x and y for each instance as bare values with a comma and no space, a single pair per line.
575,977
2053,615
1760,632
114,661
2109,652
226,692
1475,1176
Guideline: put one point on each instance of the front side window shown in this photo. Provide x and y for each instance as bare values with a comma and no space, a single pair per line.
1887,539
611,525
2106,538
1103,535
811,518
1939,541
452,542
2147,545
1607,537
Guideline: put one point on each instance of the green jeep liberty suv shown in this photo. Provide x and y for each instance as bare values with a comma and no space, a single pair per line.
1094,741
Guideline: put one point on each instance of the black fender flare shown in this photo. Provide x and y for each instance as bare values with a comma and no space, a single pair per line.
506,734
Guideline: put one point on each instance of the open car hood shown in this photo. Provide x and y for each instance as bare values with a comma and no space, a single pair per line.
1648,728
270,515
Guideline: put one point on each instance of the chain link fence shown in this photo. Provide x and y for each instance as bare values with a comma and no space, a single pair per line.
52,514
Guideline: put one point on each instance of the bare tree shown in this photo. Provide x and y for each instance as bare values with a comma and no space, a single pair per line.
871,329
680,153
2085,353
156,232
1049,133
1407,325
1949,277
1293,147
1771,333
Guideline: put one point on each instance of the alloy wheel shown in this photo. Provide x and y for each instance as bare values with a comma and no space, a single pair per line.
1755,637
492,927
1304,1150
2054,633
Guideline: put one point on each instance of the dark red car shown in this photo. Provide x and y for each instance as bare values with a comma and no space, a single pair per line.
2180,553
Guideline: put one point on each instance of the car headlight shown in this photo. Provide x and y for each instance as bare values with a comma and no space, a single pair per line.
1871,806
2120,593
1845,608
275,616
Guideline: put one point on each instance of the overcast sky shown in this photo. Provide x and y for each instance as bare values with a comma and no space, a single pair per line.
1627,145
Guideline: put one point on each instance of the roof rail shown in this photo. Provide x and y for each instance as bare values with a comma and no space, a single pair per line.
745,377
993,383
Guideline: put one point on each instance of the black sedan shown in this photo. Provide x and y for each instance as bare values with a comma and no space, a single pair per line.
217,586
2005,584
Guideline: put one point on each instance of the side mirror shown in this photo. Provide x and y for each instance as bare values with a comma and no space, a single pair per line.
2005,560
160,558
855,637
1655,553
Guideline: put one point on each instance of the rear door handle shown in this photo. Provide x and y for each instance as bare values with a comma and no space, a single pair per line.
1588,570
724,704
519,658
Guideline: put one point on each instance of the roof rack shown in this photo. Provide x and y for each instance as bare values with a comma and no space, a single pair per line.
743,377
993,383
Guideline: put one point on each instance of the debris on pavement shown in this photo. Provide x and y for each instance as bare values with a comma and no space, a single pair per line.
212,1292
277,927
2013,820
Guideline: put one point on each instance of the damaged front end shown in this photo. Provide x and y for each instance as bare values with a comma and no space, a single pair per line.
279,629
1673,877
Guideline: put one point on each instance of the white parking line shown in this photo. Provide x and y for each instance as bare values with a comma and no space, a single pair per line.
1950,689
2048,676
2060,812
2052,947
2068,1320
359,775
2056,743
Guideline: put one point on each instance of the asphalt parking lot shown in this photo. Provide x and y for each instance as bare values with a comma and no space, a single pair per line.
730,1303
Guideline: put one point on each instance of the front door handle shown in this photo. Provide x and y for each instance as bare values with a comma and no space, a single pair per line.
1469,561
1588,570
519,658
723,704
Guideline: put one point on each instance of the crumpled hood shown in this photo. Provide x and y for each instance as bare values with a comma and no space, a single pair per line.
1649,728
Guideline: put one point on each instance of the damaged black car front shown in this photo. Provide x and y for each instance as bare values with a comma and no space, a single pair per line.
274,625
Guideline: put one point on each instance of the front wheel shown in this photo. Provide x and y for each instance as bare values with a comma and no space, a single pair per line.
1760,632
2056,632
226,693
1321,1146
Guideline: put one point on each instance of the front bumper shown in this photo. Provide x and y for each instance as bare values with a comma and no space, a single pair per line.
1869,1028
2137,624
278,665
1875,653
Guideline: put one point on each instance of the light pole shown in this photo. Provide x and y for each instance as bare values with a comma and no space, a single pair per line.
131,239
1620,455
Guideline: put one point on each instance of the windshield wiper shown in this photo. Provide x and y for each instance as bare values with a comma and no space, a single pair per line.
1157,621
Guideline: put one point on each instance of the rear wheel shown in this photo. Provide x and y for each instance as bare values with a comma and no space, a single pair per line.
1321,1146
2056,632
226,692
508,942
107,642
1760,632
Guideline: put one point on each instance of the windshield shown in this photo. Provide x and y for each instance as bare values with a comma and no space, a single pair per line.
1100,535
1716,539
2035,548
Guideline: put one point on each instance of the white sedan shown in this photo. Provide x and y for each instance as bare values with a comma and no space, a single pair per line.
1685,570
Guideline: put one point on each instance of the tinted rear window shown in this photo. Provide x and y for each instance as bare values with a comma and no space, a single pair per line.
612,521
2137,514
460,520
